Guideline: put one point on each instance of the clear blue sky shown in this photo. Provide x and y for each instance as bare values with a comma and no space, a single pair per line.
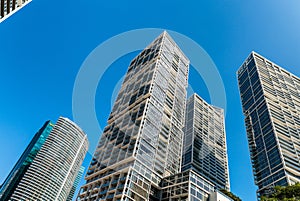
43,46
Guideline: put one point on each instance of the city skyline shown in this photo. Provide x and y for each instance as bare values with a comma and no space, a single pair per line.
42,52
278,87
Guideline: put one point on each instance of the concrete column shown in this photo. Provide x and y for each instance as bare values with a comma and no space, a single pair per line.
2,8
7,6
13,4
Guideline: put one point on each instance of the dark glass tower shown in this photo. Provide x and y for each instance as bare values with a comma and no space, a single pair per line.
11,182
271,104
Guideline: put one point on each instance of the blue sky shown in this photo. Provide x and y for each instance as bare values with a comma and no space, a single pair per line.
43,46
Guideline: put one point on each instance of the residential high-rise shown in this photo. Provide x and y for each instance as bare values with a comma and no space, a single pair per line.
204,147
49,165
9,7
204,157
187,185
142,142
270,97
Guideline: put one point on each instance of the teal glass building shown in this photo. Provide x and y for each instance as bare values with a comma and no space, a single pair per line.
16,174
75,184
48,168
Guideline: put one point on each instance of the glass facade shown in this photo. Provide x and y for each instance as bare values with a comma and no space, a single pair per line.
139,154
11,182
51,163
187,186
75,184
270,98
205,149
142,141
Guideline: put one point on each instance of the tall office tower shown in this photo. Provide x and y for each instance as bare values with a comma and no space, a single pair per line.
271,104
52,161
204,147
75,184
9,7
142,142
11,182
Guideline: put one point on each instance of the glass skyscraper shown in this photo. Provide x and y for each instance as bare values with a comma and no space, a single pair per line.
204,157
49,165
187,186
138,157
75,184
204,147
11,182
142,142
270,98
9,7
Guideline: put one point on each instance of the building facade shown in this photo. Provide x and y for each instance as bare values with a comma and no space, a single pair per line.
59,152
219,196
204,147
9,7
186,186
11,182
75,184
142,142
270,98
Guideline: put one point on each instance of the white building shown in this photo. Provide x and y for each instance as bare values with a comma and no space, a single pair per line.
205,147
142,142
218,196
52,172
9,7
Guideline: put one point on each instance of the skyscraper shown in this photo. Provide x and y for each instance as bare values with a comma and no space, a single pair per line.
142,142
11,182
9,7
49,165
204,147
270,97
204,157
75,184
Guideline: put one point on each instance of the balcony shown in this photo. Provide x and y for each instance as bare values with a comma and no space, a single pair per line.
110,196
122,179
112,188
121,186
114,181
103,192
